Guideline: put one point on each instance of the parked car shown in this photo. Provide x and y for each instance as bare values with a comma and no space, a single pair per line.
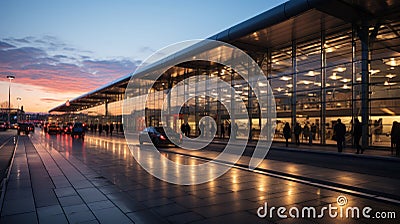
24,127
67,127
158,136
53,128
3,125
32,127
78,130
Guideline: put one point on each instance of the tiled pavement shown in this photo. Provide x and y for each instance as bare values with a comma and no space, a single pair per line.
44,187
98,181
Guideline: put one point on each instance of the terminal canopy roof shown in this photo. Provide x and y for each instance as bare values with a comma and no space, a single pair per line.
293,20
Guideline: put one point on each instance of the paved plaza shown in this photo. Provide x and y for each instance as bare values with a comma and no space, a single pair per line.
55,179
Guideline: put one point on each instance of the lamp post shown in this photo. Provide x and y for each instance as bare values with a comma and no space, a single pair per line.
10,77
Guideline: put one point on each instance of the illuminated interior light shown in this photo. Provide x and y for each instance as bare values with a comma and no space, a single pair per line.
329,50
373,72
392,62
279,89
345,80
390,76
388,111
285,78
317,83
340,69
289,85
358,79
386,83
311,73
345,86
334,76
261,84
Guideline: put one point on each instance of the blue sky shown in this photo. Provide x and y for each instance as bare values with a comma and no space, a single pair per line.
68,42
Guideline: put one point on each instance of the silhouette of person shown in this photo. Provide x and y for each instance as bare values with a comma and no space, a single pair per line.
357,133
183,129
286,133
222,131
100,129
187,129
340,132
393,136
297,132
201,126
106,128
111,128
212,130
396,136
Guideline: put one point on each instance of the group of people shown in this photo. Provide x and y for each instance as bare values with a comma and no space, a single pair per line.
309,133
224,128
107,128
339,133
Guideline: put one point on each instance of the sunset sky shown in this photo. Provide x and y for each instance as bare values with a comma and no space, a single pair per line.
58,50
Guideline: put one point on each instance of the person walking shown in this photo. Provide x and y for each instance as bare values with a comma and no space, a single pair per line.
287,133
396,135
340,132
297,132
111,128
306,132
100,129
106,128
183,129
393,136
357,133
201,127
222,131
187,128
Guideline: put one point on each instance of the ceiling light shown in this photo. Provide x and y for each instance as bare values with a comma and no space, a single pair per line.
388,111
373,72
285,78
311,73
345,86
334,76
340,69
345,80
390,76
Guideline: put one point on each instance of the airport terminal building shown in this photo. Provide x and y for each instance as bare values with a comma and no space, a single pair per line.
324,60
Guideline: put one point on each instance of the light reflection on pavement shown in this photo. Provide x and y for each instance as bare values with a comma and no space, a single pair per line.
231,198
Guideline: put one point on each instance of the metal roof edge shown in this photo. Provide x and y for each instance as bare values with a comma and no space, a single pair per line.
268,18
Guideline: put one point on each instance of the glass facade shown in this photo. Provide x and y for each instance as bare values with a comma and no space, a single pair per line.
315,80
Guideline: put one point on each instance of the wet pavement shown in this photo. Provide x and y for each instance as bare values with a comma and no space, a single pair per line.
58,179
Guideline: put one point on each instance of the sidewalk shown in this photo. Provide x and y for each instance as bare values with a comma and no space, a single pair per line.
46,187
363,184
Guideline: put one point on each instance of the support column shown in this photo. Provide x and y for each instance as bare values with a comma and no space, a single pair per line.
323,89
294,83
365,64
250,101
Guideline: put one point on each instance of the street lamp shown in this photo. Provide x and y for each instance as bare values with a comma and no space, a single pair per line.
10,77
